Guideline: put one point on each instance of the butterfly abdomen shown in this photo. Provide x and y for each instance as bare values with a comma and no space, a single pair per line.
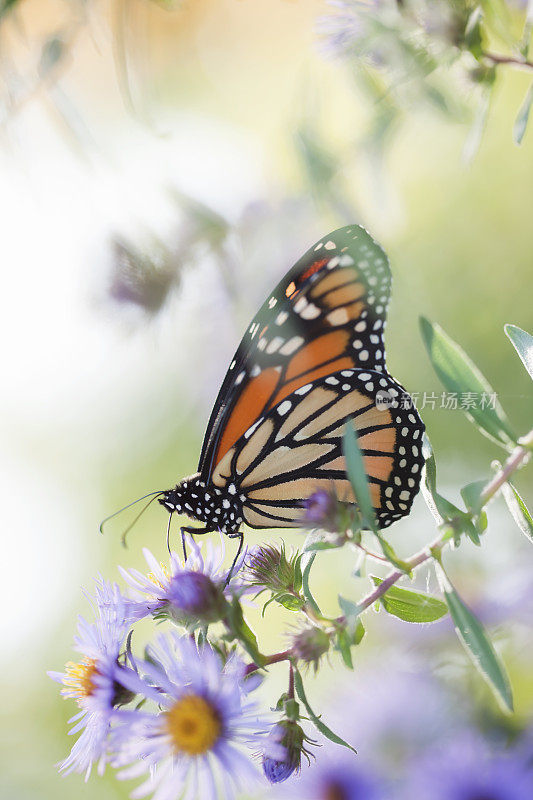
219,509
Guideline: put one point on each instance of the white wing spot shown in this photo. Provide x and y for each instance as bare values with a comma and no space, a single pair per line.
284,407
363,355
274,344
330,245
291,345
281,318
310,312
304,389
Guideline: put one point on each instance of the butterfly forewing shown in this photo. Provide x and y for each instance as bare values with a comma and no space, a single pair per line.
325,316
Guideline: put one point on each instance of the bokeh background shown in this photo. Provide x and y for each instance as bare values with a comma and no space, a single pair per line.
158,175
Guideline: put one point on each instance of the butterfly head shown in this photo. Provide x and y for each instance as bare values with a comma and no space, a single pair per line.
220,509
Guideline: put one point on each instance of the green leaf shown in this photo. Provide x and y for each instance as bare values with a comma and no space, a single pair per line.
355,468
317,722
519,511
471,494
350,610
459,374
411,606
315,546
343,645
288,601
390,554
522,118
523,344
473,37
309,599
476,643
241,631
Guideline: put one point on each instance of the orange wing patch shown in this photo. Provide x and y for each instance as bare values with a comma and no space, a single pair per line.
319,351
248,408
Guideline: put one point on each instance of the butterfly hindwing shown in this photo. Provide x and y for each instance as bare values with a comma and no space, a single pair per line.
325,316
295,449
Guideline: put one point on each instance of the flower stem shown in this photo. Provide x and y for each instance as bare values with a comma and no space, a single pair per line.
519,455
285,655
496,58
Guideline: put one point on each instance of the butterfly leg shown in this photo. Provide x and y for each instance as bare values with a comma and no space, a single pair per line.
240,537
187,529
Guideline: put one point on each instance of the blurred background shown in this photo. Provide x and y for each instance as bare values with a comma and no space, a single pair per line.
162,165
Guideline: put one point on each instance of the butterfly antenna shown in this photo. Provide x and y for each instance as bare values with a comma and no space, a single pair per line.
153,495
168,531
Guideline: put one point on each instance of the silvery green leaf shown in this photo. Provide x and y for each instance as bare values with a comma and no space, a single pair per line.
476,643
459,374
523,344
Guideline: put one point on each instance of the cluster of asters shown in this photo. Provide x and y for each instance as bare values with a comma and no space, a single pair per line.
183,716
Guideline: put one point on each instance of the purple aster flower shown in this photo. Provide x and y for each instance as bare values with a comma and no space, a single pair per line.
192,744
466,770
187,592
96,683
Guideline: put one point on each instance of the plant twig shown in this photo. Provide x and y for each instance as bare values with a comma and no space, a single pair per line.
496,58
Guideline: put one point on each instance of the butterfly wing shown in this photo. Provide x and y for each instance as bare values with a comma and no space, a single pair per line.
296,449
326,315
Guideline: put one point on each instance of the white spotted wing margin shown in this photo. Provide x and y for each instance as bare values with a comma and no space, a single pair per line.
296,449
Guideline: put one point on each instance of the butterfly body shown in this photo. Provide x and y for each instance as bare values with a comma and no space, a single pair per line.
311,361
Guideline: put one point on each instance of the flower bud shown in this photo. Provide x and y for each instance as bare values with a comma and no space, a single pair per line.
310,644
283,751
269,567
192,597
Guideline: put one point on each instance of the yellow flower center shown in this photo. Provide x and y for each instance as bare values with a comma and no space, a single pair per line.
78,679
154,579
193,725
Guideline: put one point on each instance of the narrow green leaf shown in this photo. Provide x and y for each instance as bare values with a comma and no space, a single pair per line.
241,631
390,554
460,375
314,547
522,118
411,606
350,610
288,601
310,600
317,722
344,647
523,344
355,468
471,494
476,643
519,511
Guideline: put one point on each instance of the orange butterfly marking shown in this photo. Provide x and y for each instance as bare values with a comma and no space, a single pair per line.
248,408
319,351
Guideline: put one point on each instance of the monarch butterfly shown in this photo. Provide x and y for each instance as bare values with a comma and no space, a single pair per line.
312,359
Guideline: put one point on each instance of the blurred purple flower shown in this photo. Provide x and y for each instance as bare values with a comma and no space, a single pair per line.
339,778
466,770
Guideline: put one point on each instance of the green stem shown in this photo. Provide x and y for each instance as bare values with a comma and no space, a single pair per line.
286,655
496,58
